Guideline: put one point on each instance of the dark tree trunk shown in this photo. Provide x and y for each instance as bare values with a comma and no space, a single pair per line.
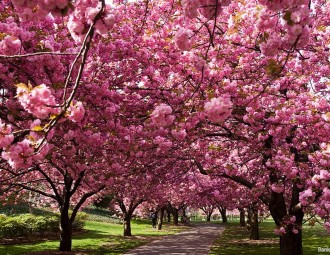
160,219
66,230
249,219
223,212
208,216
175,216
168,216
127,225
242,217
290,243
254,225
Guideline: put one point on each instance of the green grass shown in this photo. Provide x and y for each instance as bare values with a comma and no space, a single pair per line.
234,240
101,239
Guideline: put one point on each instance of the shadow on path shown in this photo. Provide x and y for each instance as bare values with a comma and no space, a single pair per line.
197,240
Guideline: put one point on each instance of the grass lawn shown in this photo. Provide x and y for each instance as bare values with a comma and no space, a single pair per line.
101,239
235,240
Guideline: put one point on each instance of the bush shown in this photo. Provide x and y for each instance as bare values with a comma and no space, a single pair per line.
79,222
12,228
33,225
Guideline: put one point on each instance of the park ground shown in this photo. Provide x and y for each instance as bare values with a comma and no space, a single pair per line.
102,238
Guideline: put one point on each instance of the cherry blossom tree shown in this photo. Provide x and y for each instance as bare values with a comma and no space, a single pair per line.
236,89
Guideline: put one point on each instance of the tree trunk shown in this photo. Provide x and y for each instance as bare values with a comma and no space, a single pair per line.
66,230
175,216
249,219
168,216
291,244
208,216
160,219
223,212
242,217
127,225
254,225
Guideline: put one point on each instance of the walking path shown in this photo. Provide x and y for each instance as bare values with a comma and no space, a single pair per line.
197,240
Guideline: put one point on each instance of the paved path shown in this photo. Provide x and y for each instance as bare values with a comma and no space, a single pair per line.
197,240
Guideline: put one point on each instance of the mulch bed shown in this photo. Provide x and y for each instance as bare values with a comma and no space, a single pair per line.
34,239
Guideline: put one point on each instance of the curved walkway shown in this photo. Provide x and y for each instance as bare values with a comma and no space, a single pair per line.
197,240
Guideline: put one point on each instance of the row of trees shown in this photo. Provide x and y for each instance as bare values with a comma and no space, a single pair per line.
126,97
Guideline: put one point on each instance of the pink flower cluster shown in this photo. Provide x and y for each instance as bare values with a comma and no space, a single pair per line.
212,8
290,29
83,16
38,101
179,135
276,5
218,109
22,154
208,8
161,116
6,137
278,187
10,45
183,39
306,197
280,231
190,8
35,10
327,226
76,112
19,154
164,145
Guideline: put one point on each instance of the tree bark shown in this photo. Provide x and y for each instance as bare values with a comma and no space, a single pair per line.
66,230
127,225
242,217
291,244
254,225
208,216
168,216
175,216
160,219
223,212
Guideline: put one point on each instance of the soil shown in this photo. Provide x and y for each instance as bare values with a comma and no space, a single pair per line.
34,239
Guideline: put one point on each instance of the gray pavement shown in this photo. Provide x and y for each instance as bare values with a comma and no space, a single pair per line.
198,240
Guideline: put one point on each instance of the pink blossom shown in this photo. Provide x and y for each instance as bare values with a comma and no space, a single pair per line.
280,231
271,46
161,116
295,231
327,226
10,45
182,39
306,197
6,137
19,154
278,188
212,8
77,112
218,109
38,100
179,135
190,8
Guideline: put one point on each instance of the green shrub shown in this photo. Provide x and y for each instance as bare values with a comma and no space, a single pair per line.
52,223
29,224
3,217
11,228
79,222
